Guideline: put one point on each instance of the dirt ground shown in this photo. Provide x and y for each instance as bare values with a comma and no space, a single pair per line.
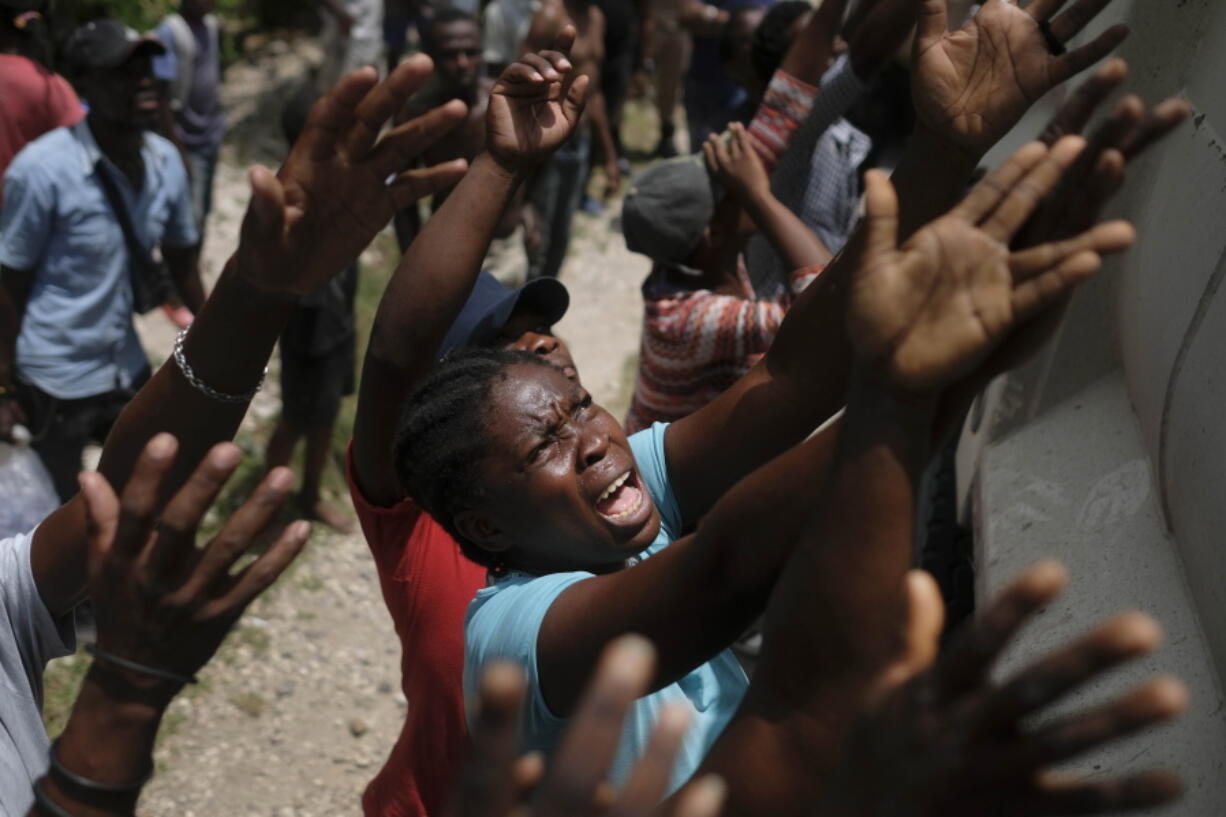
300,708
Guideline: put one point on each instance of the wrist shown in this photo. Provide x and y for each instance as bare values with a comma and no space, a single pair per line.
873,391
110,735
953,157
239,274
503,170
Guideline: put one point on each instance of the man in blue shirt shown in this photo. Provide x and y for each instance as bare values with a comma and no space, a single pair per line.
69,354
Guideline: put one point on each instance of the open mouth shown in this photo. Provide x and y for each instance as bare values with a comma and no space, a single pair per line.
622,499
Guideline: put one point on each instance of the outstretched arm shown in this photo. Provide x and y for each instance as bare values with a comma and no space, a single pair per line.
919,317
308,221
948,739
143,560
968,98
533,108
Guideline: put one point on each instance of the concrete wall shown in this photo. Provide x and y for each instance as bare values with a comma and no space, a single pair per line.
1109,450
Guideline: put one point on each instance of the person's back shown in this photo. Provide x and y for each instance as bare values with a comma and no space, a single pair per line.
33,99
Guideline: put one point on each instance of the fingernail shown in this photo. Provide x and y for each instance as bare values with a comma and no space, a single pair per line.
632,657
281,479
300,529
536,76
225,455
161,446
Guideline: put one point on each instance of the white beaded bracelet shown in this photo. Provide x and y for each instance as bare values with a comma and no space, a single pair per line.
200,386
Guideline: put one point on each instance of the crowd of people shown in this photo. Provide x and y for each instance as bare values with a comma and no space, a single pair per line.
566,588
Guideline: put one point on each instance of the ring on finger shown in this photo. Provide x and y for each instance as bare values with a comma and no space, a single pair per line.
1054,46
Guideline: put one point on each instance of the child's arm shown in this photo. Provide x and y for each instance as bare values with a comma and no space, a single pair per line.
739,169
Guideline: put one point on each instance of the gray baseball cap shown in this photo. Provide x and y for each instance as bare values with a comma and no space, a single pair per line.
668,206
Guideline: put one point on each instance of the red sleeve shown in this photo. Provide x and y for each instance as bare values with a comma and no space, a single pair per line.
68,110
784,107
387,529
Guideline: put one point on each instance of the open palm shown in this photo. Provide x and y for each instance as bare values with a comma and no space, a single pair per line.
972,85
927,313
342,182
535,106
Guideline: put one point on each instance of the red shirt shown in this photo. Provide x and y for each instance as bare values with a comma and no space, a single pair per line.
427,584
33,101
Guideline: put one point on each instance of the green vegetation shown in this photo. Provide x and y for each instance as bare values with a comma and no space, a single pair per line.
145,14
61,683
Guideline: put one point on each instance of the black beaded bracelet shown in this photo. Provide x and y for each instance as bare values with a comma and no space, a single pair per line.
44,803
107,658
85,784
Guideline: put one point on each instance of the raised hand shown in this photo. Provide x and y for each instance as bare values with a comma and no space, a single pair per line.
926,314
948,741
535,106
1098,173
343,181
972,85
498,782
1078,201
737,166
159,600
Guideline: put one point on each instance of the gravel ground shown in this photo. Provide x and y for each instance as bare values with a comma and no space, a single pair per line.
300,708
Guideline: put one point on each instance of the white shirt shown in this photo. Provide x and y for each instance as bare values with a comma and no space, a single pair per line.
29,638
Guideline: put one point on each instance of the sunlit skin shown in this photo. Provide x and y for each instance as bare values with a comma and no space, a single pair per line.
552,454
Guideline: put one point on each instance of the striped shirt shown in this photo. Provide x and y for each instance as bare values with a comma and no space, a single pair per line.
696,343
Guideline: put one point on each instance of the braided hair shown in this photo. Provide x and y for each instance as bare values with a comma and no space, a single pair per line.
773,36
442,437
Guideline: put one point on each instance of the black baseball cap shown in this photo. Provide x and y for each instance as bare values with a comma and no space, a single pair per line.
104,44
491,305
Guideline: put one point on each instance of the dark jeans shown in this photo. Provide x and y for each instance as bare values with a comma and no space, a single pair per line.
62,428
555,193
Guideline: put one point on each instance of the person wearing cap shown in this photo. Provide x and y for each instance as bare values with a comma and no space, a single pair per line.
426,580
703,329
68,347
33,98
706,319
438,301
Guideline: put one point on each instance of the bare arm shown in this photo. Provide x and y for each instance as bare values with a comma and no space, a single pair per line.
436,274
184,265
703,20
303,225
808,56
696,596
740,170
966,104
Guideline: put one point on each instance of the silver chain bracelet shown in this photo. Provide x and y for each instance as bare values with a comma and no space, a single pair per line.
200,386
